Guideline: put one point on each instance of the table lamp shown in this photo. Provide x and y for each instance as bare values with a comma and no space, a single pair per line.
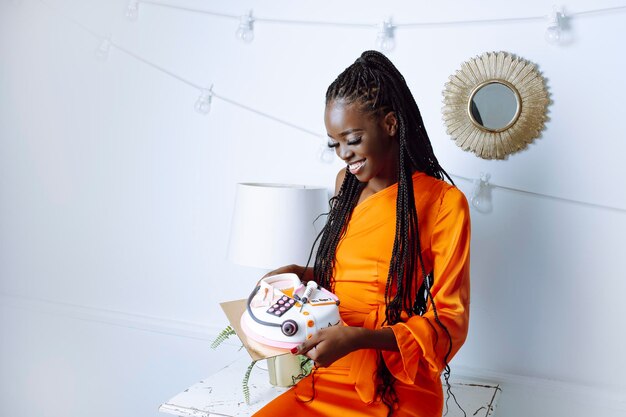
275,225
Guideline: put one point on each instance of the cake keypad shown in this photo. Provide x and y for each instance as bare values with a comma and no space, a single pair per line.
281,306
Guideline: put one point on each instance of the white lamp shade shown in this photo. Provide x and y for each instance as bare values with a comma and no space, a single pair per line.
275,225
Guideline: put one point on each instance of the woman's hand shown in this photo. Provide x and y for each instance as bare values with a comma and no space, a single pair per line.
330,344
333,343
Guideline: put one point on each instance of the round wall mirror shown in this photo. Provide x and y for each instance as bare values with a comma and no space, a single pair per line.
495,105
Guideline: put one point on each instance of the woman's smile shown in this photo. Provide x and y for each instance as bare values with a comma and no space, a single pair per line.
355,167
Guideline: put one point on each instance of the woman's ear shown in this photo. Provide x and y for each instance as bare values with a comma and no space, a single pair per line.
391,123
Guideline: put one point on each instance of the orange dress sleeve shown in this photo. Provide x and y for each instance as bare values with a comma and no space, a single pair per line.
422,342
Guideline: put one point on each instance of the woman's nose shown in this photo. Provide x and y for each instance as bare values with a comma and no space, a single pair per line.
344,152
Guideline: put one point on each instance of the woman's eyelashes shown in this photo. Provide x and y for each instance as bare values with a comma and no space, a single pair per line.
354,141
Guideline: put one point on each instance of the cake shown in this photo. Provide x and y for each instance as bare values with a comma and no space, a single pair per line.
283,312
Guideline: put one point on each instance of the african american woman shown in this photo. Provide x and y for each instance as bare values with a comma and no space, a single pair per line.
395,250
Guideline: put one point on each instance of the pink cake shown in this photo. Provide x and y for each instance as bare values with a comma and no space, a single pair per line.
282,312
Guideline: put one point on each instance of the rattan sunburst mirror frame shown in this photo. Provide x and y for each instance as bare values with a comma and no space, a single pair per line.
518,74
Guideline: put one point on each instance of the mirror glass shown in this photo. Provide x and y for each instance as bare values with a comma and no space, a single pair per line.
494,106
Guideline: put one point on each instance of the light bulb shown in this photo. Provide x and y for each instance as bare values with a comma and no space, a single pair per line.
553,30
385,44
203,104
481,194
385,38
102,53
326,154
132,11
553,34
245,31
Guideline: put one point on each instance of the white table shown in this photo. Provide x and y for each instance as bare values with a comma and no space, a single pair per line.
221,394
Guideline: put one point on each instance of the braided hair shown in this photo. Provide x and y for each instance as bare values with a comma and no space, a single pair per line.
377,87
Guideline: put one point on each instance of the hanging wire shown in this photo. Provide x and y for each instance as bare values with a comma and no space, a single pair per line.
550,197
268,116
155,66
317,23
189,9
398,25
470,22
260,19
214,94
599,11
59,12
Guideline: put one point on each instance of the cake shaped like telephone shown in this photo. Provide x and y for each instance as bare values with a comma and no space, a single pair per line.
283,312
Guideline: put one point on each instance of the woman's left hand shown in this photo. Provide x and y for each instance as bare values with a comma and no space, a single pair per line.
330,344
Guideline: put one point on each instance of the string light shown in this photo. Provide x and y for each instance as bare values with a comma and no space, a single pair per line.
481,194
102,53
385,38
482,186
325,154
132,10
245,31
203,104
553,30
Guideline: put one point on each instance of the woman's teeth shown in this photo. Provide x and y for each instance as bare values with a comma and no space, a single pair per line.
355,167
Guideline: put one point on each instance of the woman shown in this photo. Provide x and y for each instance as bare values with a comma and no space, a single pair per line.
395,250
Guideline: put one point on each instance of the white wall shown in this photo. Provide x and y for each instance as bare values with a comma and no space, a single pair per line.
115,196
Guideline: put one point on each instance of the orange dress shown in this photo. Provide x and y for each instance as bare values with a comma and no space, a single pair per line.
347,387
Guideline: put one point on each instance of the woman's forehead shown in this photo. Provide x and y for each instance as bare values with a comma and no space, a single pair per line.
344,108
340,112
344,118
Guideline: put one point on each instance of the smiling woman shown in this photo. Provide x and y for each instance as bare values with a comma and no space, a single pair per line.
403,287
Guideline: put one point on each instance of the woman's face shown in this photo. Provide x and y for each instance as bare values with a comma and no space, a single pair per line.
367,143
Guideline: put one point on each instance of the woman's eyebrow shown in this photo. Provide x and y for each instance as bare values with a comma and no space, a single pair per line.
346,132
